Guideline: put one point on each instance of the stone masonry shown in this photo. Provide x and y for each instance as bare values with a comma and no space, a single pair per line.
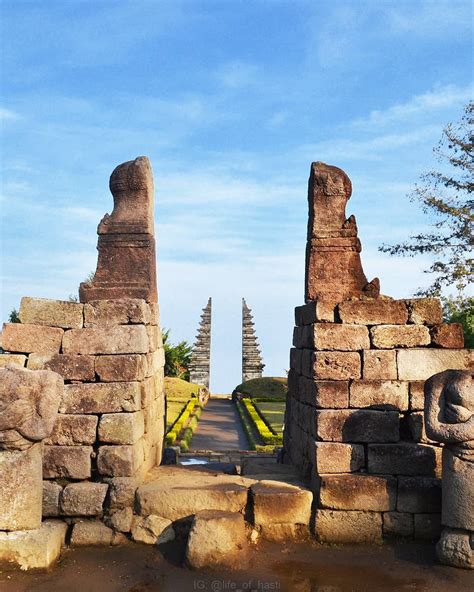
252,364
199,368
110,427
354,416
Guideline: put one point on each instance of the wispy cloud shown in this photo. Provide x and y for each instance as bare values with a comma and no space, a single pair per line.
8,115
422,104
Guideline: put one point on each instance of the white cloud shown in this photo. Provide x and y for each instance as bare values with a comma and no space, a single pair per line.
433,100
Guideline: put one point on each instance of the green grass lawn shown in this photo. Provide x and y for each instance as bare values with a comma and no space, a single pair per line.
180,390
265,388
274,413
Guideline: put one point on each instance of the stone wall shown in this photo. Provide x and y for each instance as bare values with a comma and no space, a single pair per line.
111,418
354,416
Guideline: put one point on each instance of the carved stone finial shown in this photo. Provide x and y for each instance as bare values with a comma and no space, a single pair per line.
333,267
449,419
200,365
126,266
252,363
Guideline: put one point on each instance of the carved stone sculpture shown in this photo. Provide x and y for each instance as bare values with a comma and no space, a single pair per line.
333,267
252,363
200,365
126,267
449,418
29,402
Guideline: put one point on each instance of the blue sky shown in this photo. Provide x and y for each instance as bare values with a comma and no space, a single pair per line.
231,100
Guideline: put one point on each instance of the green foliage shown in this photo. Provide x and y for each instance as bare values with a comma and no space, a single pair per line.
177,357
446,195
188,434
273,413
267,388
460,310
14,317
263,429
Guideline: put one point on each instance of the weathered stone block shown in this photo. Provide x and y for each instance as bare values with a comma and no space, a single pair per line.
83,499
307,362
397,524
217,539
27,339
348,527
419,494
121,492
448,336
71,430
404,458
358,492
357,426
21,489
121,428
373,312
390,336
379,364
427,526
125,311
111,397
52,313
120,520
275,502
331,336
454,548
176,493
51,493
330,394
379,393
417,396
295,359
6,359
120,461
33,549
335,457
313,312
73,462
115,339
69,366
95,533
152,530
155,338
420,364
284,533
336,365
121,368
425,311
155,362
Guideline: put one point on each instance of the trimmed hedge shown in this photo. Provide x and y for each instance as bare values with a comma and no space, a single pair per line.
247,426
174,432
263,430
190,429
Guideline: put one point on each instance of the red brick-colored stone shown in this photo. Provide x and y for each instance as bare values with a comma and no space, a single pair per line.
448,336
26,339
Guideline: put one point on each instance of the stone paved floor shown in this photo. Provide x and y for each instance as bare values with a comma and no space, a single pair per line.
219,428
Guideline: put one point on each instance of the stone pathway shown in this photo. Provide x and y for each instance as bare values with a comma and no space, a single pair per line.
219,428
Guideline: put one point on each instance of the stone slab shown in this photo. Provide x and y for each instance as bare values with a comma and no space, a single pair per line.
72,430
358,492
18,359
94,533
115,339
379,364
398,524
72,462
378,311
275,502
419,495
425,311
121,428
392,336
69,366
176,493
404,458
51,495
448,336
336,365
336,457
21,488
382,394
83,499
122,311
331,336
420,364
33,549
332,526
120,461
121,368
27,339
110,397
52,313
361,425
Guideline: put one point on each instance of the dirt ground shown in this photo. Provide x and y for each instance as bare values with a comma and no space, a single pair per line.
281,568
